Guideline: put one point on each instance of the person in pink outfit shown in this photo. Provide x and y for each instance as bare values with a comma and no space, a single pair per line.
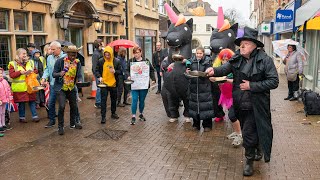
5,92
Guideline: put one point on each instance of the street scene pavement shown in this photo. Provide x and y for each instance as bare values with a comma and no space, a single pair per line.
156,148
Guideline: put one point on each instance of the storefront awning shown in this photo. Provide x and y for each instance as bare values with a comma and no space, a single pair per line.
312,24
307,11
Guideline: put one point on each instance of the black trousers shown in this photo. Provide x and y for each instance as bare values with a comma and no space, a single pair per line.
72,98
218,110
165,95
159,78
249,129
293,86
205,123
113,97
122,88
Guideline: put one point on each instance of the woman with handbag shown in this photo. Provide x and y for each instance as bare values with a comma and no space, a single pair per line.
19,69
293,68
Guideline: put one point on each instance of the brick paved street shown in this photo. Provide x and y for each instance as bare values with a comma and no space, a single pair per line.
157,149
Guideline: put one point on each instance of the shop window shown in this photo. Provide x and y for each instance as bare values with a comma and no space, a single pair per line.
3,20
37,22
38,41
4,51
115,38
114,27
20,21
107,27
208,27
108,40
22,41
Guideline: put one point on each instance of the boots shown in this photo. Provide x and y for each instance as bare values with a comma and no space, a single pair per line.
248,167
258,155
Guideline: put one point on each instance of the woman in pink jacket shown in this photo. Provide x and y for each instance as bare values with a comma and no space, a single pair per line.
5,92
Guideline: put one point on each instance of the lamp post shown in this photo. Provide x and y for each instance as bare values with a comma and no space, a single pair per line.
127,24
63,22
97,25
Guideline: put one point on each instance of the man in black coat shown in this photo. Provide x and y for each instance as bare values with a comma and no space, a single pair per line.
254,76
157,58
97,54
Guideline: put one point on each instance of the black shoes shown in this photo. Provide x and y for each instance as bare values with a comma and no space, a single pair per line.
287,98
98,106
76,126
120,105
248,168
61,131
142,118
126,103
133,121
103,120
49,125
114,116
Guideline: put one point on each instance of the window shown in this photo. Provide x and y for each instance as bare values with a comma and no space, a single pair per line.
3,20
37,22
107,27
4,51
115,38
38,41
153,4
208,27
114,27
108,40
22,41
20,21
146,3
194,27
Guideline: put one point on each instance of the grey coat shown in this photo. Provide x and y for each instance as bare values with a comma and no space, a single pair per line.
293,66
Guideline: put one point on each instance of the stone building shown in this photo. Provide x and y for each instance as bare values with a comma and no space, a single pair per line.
37,21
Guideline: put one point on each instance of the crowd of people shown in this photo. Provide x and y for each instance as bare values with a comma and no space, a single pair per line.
249,74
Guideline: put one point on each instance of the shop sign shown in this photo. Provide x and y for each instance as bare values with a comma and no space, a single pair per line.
145,32
265,28
284,15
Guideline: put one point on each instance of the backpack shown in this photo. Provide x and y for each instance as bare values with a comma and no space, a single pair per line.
311,102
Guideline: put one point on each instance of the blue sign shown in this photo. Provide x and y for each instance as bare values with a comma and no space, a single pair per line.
284,15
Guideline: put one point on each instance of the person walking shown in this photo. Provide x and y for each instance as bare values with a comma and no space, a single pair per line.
139,93
107,70
157,58
67,71
293,68
97,54
122,87
47,78
19,69
5,92
254,75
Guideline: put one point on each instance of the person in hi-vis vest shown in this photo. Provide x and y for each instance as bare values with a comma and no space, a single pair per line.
18,70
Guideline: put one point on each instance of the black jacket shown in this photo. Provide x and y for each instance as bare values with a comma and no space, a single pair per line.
155,60
97,54
116,65
263,77
200,99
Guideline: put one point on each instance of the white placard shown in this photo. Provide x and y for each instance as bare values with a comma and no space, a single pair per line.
139,72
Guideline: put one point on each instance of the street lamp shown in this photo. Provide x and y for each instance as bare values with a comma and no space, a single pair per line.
97,25
63,22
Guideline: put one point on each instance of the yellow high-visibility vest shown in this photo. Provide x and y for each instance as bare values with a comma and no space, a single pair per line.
19,84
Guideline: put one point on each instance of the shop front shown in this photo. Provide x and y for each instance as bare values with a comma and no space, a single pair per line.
310,38
146,39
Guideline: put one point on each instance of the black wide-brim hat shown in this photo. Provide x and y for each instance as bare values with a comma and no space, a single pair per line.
249,34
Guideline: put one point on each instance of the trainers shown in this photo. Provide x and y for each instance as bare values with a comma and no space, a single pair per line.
133,121
173,120
98,106
1,135
2,130
232,135
49,125
72,126
188,120
78,126
36,119
142,118
120,105
237,141
103,120
114,116
61,131
126,103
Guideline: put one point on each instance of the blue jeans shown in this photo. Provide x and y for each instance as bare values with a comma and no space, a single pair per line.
52,105
98,93
22,110
138,95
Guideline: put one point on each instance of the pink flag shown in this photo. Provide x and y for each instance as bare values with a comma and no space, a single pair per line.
47,93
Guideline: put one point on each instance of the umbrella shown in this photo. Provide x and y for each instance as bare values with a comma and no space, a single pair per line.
280,48
123,43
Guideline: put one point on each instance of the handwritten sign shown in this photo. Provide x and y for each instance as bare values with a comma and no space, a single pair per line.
139,72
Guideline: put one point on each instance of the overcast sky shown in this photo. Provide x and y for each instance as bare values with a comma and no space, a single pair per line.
242,6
